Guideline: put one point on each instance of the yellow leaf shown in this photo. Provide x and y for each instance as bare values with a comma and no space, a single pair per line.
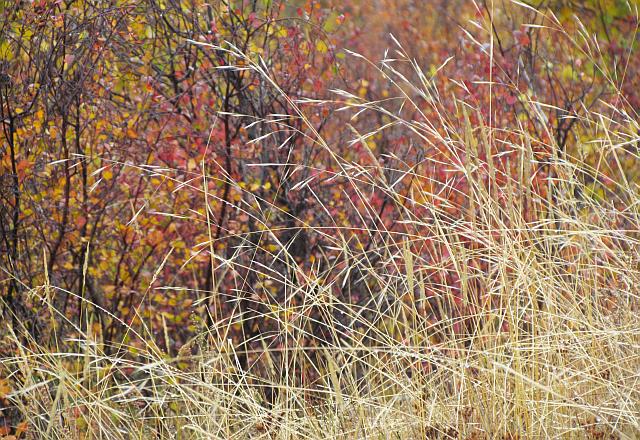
321,46
5,51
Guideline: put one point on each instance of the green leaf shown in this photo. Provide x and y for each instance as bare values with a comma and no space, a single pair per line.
331,23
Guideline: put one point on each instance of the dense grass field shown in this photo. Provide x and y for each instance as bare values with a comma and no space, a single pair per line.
299,220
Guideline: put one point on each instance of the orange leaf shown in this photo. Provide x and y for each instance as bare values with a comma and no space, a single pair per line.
155,237
80,221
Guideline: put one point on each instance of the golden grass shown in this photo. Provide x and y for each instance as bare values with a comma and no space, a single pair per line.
544,344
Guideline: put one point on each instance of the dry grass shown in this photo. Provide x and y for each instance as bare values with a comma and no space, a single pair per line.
550,349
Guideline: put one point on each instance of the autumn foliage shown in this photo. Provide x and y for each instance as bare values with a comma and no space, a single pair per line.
295,176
